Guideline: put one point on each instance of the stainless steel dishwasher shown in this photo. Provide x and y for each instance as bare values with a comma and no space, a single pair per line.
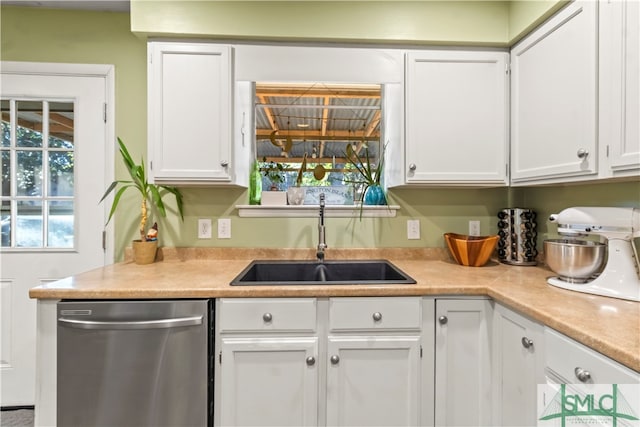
135,363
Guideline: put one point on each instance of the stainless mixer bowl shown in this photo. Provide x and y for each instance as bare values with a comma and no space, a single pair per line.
575,260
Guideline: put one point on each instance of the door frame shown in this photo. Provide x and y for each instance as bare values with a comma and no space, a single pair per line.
107,72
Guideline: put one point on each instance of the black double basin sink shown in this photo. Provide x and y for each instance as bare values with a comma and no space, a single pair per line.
338,272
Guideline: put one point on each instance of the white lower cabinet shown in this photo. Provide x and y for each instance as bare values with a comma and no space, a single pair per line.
518,367
373,381
306,361
269,381
463,362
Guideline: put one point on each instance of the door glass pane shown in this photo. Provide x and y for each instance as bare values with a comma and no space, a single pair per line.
29,224
61,173
29,173
29,130
61,121
6,124
60,225
5,220
6,173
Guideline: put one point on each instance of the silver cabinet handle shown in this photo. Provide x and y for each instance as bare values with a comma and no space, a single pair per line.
335,359
267,317
131,324
526,342
582,153
377,316
413,167
443,320
224,163
582,374
311,361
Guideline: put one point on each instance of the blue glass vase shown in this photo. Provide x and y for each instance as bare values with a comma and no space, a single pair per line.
374,195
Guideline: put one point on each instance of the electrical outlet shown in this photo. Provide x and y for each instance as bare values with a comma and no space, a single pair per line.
204,228
474,228
413,229
224,228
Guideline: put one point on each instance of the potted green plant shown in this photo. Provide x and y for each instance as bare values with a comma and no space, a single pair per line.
274,172
144,249
295,194
368,175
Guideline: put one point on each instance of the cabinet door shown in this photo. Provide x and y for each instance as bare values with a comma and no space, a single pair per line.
620,85
373,381
518,368
554,98
456,117
269,381
463,365
190,112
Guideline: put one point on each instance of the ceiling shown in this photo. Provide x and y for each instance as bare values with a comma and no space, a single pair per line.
317,119
95,5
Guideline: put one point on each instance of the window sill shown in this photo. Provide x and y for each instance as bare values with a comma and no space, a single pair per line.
311,211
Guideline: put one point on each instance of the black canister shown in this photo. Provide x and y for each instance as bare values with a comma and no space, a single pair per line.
517,231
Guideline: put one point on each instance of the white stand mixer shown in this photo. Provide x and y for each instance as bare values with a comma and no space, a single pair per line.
620,276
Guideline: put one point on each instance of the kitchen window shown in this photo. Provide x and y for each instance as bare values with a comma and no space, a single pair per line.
322,122
37,151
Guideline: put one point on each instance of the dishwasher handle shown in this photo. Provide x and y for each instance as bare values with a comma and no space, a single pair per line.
131,324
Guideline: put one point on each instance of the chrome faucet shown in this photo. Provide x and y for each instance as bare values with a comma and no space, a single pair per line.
322,245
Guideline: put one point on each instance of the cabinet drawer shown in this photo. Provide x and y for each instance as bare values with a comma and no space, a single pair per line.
267,314
374,313
565,355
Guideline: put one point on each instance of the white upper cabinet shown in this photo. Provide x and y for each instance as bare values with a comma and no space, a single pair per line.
620,87
554,98
456,118
190,112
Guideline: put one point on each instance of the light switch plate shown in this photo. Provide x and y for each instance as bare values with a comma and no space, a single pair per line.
413,229
204,228
224,228
474,228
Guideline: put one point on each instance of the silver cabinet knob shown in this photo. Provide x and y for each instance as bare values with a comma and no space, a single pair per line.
526,342
582,153
224,163
582,374
335,359
377,316
267,317
311,361
443,320
413,167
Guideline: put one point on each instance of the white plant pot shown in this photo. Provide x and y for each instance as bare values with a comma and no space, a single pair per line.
295,195
273,198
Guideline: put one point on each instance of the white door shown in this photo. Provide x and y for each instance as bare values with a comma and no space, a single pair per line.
463,363
554,97
373,381
457,128
269,381
53,151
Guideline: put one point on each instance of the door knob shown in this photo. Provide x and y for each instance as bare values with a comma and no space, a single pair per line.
443,320
335,359
377,316
412,167
267,317
582,374
311,361
224,163
582,153
526,342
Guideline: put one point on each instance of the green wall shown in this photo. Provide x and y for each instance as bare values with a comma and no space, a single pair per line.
92,37
422,22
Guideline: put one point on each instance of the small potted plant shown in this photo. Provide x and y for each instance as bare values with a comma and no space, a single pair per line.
144,249
368,175
295,194
274,172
